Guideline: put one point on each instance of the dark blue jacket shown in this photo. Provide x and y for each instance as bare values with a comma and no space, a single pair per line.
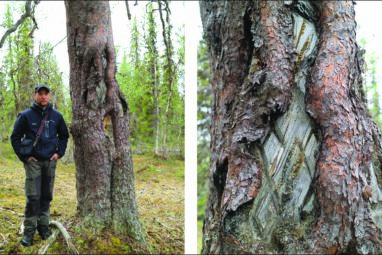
54,137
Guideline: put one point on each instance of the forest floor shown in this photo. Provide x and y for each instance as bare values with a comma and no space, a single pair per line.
160,196
200,236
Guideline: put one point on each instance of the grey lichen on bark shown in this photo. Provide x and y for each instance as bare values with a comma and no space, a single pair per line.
104,169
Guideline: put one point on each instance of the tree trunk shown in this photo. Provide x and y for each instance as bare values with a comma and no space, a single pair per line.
156,104
104,170
152,63
169,70
295,159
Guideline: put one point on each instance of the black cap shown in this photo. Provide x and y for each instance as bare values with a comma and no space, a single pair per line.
41,86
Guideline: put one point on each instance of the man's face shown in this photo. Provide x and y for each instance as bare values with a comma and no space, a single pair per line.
42,97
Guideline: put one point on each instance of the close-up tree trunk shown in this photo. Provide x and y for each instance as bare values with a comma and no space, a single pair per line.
295,157
104,169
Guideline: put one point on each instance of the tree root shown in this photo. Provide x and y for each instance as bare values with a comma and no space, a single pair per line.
60,228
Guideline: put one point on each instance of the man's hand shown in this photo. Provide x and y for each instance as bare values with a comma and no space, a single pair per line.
32,159
55,157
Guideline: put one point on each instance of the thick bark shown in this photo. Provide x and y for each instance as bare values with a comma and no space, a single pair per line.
273,187
104,170
343,167
251,83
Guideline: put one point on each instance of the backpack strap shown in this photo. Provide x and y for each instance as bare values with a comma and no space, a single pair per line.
40,129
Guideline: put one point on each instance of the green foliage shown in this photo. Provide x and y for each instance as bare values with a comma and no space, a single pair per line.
371,84
134,54
7,85
48,72
22,74
173,121
21,71
153,85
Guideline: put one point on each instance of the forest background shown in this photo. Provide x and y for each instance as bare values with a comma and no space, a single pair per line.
151,76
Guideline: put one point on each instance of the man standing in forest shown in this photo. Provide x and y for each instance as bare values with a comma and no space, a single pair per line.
39,139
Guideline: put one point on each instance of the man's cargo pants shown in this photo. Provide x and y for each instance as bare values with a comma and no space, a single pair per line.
39,184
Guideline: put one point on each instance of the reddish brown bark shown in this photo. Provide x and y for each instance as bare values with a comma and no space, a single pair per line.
251,84
334,101
104,170
253,112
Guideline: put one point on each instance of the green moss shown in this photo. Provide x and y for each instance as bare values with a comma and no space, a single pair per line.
104,248
93,224
115,241
127,248
56,247
290,235
14,247
81,243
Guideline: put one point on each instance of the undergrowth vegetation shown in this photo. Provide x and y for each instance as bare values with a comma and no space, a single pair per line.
160,193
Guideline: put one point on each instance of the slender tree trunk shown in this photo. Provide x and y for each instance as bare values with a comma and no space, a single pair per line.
295,159
152,62
165,124
2,133
104,170
169,69
156,103
15,92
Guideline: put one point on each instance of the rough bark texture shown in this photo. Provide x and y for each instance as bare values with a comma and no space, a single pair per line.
284,178
344,164
104,169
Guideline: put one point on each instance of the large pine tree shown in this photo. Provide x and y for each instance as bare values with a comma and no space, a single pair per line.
104,169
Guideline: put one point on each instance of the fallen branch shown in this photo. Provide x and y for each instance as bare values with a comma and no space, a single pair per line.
21,230
60,228
49,243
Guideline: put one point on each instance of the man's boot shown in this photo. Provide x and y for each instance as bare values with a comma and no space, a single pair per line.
28,238
44,232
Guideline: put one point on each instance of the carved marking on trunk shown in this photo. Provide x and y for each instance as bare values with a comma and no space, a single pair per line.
305,38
